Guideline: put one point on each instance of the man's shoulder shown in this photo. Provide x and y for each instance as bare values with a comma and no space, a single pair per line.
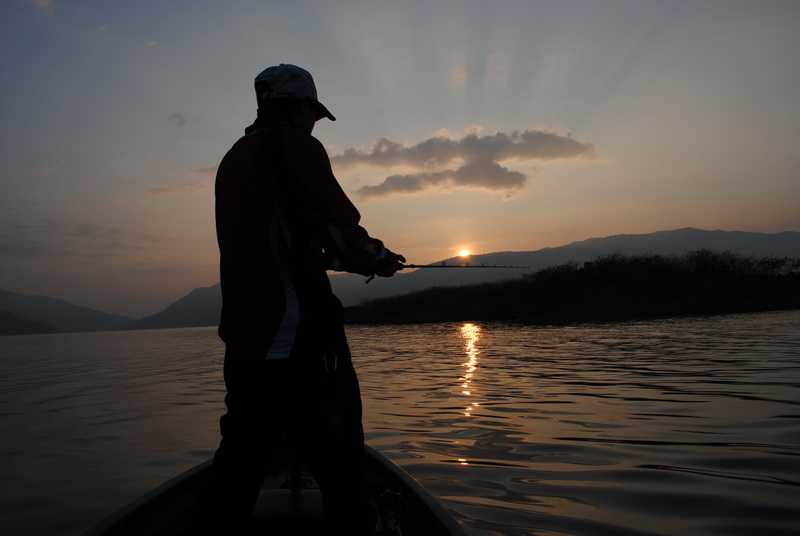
250,137
303,149
300,137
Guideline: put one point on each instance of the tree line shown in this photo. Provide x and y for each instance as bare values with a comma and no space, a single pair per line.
608,288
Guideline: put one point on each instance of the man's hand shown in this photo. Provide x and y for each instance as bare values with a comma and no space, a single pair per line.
387,266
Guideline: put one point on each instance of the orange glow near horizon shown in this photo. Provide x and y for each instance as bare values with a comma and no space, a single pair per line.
463,253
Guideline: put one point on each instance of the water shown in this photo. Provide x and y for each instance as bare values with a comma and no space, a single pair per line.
674,427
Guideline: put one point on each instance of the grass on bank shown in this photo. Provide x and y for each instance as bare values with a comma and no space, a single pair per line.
608,288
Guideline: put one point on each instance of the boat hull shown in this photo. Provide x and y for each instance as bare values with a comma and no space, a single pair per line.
289,504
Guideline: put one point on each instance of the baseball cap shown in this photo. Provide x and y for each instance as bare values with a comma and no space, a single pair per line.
287,81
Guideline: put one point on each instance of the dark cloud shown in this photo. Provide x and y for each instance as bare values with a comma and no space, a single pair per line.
472,161
176,119
489,176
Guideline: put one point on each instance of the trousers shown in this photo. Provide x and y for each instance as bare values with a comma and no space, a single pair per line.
314,406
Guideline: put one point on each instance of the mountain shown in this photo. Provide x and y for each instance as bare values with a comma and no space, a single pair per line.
201,307
608,288
11,324
59,314
352,290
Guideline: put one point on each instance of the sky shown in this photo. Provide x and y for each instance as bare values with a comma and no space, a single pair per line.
485,125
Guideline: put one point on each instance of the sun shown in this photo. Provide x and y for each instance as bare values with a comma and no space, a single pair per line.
463,253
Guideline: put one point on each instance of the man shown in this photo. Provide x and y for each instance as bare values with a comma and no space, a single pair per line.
282,220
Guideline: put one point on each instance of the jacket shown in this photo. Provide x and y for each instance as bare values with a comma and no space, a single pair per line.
282,220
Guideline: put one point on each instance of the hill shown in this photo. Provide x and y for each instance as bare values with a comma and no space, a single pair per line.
58,314
11,324
201,307
611,288
352,290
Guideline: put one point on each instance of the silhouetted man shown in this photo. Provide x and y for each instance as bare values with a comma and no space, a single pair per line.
282,220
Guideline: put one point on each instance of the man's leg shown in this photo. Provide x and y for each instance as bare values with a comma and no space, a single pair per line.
249,431
332,441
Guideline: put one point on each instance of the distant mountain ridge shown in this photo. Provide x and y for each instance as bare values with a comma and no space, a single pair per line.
11,324
54,314
202,306
352,290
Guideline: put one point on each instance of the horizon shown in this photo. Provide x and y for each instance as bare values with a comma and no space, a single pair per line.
182,294
482,126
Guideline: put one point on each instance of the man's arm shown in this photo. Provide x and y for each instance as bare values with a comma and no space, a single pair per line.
348,247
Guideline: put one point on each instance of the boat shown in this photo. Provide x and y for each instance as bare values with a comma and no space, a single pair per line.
290,504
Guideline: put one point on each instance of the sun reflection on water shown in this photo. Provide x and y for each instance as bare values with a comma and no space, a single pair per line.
471,335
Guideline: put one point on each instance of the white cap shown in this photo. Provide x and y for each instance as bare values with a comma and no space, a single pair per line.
286,81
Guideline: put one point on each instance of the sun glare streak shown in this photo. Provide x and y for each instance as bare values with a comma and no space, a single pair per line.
471,335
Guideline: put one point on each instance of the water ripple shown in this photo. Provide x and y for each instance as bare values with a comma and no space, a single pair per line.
676,427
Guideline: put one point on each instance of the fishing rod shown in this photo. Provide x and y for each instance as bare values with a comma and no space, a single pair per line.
444,265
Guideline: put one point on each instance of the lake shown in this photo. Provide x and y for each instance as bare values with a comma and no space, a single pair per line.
671,427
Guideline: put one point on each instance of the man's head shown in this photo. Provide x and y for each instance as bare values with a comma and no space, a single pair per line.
288,92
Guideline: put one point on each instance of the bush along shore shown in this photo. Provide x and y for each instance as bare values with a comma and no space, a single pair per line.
609,288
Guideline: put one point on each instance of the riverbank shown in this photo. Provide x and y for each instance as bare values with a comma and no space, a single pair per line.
611,288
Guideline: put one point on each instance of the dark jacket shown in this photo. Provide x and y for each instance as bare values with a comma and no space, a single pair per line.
282,220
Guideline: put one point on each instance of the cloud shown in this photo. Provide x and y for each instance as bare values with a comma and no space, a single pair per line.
205,181
472,161
176,119
489,176
180,188
208,172
49,237
200,179
45,8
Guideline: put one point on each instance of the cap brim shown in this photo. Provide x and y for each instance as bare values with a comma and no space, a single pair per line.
323,112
